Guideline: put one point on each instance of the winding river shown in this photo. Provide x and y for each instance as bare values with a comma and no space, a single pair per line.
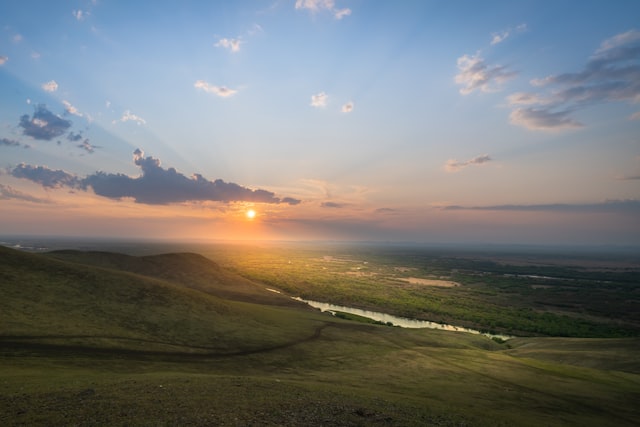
397,321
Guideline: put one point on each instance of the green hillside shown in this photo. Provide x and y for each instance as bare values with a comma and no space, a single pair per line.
48,299
95,338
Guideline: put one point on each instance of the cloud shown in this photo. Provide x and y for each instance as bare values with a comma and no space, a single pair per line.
156,185
453,165
543,119
635,116
333,205
50,86
476,74
3,59
86,146
611,74
232,44
71,109
43,125
341,13
9,142
46,177
127,116
221,91
9,193
17,38
80,15
347,108
609,206
319,100
503,35
315,6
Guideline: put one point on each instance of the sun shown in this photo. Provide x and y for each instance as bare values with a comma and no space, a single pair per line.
251,214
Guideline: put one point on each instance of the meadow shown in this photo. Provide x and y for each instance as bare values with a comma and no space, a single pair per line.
104,338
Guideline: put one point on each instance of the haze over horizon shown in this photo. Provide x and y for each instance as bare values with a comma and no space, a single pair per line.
424,121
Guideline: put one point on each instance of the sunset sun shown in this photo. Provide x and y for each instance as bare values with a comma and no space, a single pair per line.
251,214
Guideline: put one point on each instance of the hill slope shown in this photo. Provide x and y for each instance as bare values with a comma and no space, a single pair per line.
51,300
188,269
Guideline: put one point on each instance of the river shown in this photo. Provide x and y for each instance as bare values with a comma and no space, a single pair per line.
397,321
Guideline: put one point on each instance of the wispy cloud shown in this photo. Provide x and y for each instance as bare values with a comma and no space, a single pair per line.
475,74
501,36
43,124
87,146
232,44
80,15
347,108
9,142
319,100
635,116
71,109
50,86
155,186
334,205
17,38
315,6
453,165
3,59
543,119
611,74
9,193
128,116
619,206
221,91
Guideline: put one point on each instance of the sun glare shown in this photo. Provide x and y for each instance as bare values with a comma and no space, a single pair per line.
251,214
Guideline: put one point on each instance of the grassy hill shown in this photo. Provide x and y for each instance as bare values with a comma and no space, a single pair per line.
108,339
46,299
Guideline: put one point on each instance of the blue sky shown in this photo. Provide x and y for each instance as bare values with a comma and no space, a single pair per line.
430,121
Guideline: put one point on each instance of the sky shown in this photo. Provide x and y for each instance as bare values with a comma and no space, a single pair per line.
360,120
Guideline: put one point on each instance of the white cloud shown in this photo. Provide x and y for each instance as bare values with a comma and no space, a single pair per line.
35,55
318,5
503,35
127,116
232,44
3,59
50,86
319,100
453,165
221,91
80,15
71,109
17,38
476,74
341,13
348,107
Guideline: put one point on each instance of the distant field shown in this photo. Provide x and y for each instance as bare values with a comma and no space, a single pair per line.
579,294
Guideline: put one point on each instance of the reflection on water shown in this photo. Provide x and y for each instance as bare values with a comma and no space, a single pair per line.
397,321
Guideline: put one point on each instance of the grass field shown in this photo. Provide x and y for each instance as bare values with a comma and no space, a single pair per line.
108,339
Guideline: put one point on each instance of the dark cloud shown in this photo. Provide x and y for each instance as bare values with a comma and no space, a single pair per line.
46,177
9,142
612,74
619,206
74,137
7,193
332,205
86,146
454,165
43,124
156,185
